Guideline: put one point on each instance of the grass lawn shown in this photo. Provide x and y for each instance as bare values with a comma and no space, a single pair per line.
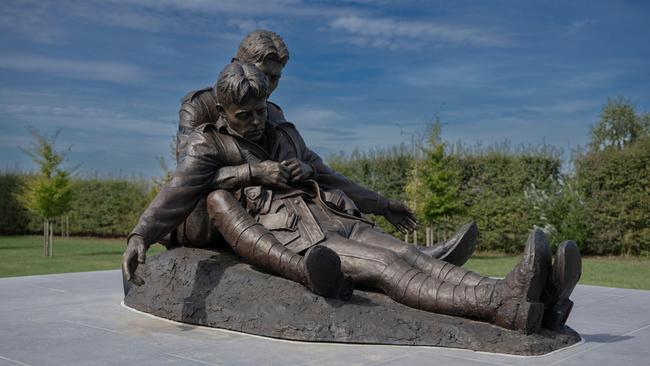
21,256
599,271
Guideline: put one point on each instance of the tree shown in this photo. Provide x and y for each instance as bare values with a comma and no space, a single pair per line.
619,125
47,193
435,184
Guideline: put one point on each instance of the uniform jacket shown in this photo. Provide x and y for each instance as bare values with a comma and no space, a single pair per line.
215,157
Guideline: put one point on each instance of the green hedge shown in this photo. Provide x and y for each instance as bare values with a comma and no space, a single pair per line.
616,186
14,219
101,207
494,189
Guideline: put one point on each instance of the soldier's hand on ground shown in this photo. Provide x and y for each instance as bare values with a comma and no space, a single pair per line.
134,255
270,173
401,216
299,170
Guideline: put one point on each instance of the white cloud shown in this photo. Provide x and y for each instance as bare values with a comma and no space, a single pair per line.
397,34
307,116
564,107
579,25
87,70
30,20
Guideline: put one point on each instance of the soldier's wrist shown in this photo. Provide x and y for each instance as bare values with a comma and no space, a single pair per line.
382,206
129,239
255,171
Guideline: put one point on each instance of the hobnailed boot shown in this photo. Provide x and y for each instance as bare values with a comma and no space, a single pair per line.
512,303
522,288
457,249
319,269
564,277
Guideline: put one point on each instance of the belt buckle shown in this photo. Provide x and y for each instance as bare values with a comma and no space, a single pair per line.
292,221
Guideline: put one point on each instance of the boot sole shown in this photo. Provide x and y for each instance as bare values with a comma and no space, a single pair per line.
323,267
529,317
567,268
556,317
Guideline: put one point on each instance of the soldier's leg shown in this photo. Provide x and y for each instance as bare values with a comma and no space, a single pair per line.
439,269
197,230
319,269
512,303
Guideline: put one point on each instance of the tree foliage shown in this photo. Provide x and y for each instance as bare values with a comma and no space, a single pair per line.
107,207
434,181
619,125
48,193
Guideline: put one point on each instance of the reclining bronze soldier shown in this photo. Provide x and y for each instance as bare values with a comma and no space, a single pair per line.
267,51
306,213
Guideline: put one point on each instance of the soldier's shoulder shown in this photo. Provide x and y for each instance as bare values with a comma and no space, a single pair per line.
274,106
205,128
194,94
275,112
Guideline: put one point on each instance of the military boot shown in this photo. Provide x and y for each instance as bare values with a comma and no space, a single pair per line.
457,249
517,297
565,274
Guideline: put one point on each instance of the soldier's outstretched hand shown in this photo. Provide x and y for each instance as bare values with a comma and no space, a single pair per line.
401,216
134,255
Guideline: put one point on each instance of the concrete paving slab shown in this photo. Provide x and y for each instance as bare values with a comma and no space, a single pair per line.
78,319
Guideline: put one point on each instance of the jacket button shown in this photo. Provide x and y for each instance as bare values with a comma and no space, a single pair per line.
296,201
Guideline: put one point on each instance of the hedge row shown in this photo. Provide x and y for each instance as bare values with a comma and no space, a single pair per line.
604,205
101,207
493,189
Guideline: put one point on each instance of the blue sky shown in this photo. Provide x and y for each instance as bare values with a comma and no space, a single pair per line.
111,73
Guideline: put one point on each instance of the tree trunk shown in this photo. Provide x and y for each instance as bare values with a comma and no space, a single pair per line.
45,237
51,244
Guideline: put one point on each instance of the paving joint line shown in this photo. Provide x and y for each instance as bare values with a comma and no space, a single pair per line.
14,361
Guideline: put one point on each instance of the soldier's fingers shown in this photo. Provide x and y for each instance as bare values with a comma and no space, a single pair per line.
296,171
412,219
142,253
136,280
411,227
126,270
406,224
284,176
284,168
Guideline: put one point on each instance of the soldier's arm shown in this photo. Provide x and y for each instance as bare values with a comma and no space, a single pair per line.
174,202
194,173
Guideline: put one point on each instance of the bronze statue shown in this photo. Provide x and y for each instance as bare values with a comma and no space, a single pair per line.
275,199
267,51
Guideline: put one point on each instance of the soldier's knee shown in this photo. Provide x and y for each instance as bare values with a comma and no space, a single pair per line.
387,257
410,252
220,201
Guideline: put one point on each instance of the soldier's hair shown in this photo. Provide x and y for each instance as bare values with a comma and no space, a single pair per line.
239,82
260,45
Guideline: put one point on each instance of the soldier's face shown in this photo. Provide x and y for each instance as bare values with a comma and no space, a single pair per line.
247,119
273,71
